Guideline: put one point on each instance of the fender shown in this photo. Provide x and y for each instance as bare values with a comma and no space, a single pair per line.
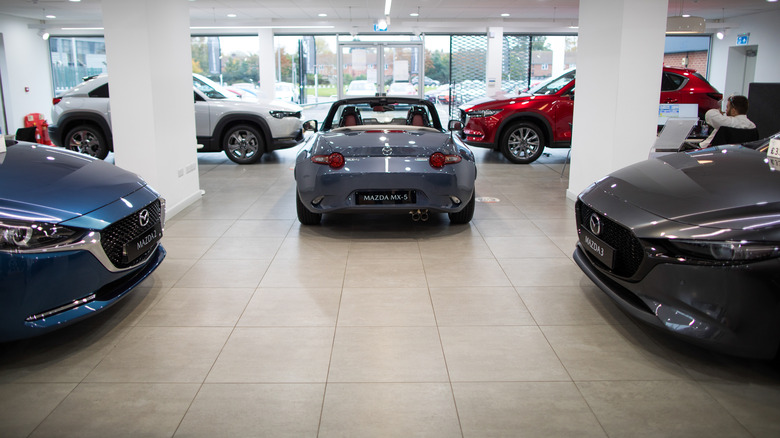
538,119
71,119
235,118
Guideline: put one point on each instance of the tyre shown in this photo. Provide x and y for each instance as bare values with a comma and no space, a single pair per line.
464,216
306,217
522,143
243,144
88,140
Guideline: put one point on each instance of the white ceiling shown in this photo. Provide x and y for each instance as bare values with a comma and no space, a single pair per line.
359,15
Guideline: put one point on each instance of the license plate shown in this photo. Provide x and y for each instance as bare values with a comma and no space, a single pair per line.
598,248
386,197
141,244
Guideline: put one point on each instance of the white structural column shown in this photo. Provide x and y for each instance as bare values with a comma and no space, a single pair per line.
149,57
619,66
494,62
267,60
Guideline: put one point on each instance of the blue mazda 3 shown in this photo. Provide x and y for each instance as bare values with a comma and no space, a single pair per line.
76,235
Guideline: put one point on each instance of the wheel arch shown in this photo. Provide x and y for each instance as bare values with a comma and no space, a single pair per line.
537,119
231,120
71,120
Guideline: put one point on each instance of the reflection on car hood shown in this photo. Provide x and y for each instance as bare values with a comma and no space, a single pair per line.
493,101
52,184
721,187
389,142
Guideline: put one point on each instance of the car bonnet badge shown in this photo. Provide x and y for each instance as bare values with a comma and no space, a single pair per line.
387,150
595,224
143,218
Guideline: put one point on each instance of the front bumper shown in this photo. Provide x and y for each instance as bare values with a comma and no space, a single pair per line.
54,135
729,309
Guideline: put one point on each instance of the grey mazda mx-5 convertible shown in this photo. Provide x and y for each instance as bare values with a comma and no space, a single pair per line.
690,243
384,155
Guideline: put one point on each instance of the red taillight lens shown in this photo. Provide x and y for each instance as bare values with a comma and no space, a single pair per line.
439,160
334,160
56,100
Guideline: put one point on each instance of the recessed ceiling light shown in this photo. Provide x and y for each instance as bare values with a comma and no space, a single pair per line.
322,15
232,15
771,1
505,15
414,14
74,1
51,16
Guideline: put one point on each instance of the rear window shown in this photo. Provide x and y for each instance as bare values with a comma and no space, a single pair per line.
672,82
101,91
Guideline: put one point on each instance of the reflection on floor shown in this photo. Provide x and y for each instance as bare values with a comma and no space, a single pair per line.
371,326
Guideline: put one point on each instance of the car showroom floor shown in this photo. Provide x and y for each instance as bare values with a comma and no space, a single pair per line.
371,326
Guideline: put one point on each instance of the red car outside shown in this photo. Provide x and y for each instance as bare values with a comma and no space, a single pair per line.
522,126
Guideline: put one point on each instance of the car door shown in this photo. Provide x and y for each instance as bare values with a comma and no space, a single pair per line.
671,88
203,126
563,114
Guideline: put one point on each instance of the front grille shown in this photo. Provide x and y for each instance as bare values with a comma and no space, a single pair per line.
628,249
117,235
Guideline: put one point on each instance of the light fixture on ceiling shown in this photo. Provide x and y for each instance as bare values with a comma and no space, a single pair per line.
232,15
322,15
388,3
381,25
684,23
720,34
43,34
504,15
51,17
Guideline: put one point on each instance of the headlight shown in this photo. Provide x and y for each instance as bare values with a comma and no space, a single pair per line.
283,114
483,113
19,236
728,251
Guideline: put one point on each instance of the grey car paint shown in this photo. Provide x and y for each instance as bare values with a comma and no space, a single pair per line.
649,216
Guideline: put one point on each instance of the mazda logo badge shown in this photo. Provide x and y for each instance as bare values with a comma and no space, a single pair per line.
387,150
143,218
595,224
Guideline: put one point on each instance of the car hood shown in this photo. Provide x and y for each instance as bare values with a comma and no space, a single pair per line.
412,143
728,187
54,185
494,102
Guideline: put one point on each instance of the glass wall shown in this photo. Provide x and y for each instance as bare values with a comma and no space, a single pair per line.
74,58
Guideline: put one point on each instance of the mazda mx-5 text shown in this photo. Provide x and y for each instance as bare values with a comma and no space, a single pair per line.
690,243
384,155
76,235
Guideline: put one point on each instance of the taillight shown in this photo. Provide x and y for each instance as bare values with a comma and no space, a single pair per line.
439,160
334,160
56,100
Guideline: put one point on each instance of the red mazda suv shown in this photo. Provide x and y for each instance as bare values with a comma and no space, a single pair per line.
522,126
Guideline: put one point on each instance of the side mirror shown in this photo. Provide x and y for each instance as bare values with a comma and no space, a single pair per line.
310,125
455,125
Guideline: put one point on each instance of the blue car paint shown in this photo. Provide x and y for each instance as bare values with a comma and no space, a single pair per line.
73,190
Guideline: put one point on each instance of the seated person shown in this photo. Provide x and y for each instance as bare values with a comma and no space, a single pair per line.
417,116
735,117
350,116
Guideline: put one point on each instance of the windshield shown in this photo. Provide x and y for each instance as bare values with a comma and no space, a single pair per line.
354,114
553,85
210,89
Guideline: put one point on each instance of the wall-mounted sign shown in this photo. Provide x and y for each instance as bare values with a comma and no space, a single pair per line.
742,39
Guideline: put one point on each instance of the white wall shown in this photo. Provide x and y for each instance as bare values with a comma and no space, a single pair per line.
764,33
26,64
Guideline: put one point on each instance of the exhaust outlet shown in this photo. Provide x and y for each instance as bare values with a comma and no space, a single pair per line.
415,215
424,216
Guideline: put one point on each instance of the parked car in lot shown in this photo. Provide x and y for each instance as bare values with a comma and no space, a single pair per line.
361,88
690,243
243,129
522,126
76,235
384,155
286,91
401,89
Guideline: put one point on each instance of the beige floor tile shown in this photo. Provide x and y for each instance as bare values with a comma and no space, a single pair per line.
305,273
755,406
462,273
162,355
570,305
387,354
658,408
259,228
540,246
274,355
384,273
533,409
557,227
292,307
560,271
169,272
407,249
486,306
386,307
455,248
225,273
389,410
119,410
254,410
611,352
198,307
309,248
500,354
242,248
23,406
506,227
187,247
198,228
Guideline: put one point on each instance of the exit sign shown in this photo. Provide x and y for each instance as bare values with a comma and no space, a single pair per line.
742,39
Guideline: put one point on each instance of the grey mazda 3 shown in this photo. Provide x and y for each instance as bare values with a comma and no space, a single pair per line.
690,243
384,155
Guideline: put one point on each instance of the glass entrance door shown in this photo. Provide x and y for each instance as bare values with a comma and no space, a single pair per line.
370,68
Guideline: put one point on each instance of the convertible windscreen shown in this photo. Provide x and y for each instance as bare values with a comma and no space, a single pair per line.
382,114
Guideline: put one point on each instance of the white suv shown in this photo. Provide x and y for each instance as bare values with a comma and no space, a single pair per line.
81,121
